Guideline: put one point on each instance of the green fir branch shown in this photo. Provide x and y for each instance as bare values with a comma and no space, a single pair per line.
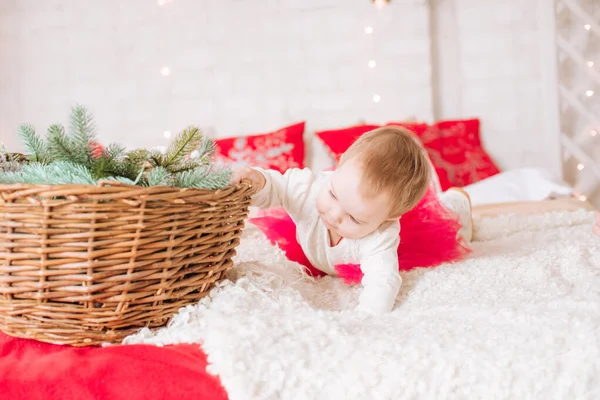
35,145
68,159
60,147
82,132
181,146
206,150
56,173
138,156
205,177
159,176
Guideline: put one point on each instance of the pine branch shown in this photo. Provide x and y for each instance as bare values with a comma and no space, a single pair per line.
138,157
68,158
205,177
206,150
186,165
182,145
120,179
159,176
60,147
156,158
56,173
81,133
115,151
110,162
35,145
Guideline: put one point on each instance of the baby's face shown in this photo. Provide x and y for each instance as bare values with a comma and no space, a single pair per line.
343,208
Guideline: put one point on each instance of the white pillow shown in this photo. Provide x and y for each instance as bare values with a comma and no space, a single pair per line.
524,184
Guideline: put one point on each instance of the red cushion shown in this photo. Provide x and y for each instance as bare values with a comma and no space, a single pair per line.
279,150
337,141
454,147
462,155
32,370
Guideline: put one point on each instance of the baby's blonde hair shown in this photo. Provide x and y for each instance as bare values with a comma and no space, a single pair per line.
394,163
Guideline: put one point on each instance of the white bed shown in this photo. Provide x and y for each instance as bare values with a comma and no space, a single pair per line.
519,319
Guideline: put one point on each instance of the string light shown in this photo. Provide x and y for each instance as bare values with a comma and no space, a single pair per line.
590,64
380,3
593,132
368,30
194,154
589,93
165,71
587,27
372,64
167,134
580,167
376,98
582,198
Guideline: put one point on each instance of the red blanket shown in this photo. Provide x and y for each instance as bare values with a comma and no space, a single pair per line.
33,370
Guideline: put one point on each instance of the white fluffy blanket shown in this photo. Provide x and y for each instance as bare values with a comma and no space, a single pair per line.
520,319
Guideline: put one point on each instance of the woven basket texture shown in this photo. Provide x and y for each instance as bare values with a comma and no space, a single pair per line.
84,265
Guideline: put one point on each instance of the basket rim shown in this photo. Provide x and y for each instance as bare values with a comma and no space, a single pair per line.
117,191
102,185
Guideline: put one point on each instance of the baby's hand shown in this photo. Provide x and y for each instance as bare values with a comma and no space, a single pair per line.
251,174
596,228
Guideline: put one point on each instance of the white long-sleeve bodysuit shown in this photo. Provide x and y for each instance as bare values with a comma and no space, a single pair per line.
376,253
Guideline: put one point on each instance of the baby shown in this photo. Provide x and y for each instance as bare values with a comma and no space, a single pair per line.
351,215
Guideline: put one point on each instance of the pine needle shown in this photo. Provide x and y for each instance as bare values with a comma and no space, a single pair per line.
57,173
181,146
205,177
81,133
159,176
68,159
60,147
35,145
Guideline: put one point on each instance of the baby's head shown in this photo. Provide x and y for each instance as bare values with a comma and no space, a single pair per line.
384,174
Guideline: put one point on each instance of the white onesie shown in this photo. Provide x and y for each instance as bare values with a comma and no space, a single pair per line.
376,253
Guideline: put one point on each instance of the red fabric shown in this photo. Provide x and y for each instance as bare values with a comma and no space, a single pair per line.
338,140
462,155
454,147
279,150
31,370
428,237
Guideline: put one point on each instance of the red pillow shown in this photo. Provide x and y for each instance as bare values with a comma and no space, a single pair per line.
454,147
461,155
279,150
337,141
31,370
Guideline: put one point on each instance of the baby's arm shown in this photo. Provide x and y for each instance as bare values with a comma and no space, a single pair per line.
379,264
288,190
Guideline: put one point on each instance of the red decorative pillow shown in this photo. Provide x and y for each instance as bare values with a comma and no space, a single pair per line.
279,150
337,141
32,370
460,157
454,147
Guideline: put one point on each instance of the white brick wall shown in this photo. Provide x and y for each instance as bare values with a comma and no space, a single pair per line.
492,66
245,66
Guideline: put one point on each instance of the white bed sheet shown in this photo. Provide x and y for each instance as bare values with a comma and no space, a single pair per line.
524,184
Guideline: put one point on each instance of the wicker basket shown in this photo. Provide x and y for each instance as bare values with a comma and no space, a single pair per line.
83,265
